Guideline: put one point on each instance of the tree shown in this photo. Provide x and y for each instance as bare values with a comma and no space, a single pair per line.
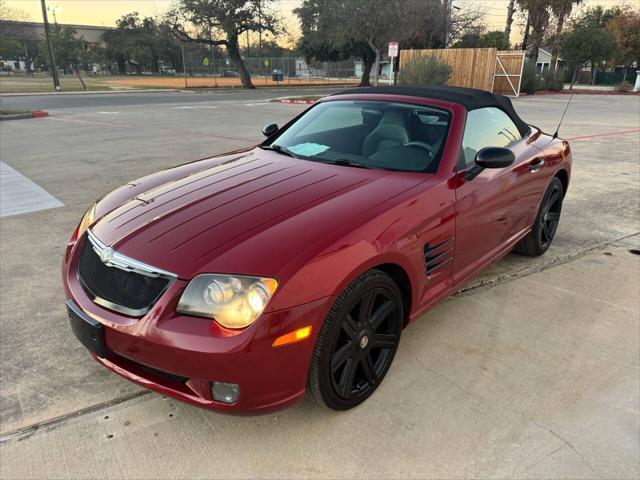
376,22
602,46
625,28
469,39
221,22
510,10
13,44
561,9
538,12
320,41
598,16
135,40
11,13
494,38
583,45
69,49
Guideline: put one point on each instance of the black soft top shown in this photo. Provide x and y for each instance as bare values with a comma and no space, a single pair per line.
470,98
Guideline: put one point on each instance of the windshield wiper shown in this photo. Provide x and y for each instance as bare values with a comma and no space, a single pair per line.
350,163
279,149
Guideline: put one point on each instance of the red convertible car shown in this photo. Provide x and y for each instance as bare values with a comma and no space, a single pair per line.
241,281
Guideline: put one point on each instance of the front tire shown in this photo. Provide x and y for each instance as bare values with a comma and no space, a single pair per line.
546,223
357,342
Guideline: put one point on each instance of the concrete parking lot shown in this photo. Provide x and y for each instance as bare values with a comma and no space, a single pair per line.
533,371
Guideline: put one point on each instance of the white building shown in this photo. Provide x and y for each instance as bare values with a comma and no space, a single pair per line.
544,60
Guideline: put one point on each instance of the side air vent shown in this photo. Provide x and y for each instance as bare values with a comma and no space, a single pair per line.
437,255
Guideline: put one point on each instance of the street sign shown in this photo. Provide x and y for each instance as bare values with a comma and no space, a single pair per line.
205,62
393,49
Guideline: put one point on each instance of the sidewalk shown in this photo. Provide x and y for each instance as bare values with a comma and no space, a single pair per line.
535,377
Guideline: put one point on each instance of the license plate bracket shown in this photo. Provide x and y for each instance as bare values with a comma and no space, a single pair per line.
88,331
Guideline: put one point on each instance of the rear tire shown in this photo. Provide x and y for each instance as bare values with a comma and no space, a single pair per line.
546,223
357,342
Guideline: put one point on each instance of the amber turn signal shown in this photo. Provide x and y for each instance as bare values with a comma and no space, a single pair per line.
292,337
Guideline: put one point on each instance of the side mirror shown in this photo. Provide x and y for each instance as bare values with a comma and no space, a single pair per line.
270,129
490,157
495,157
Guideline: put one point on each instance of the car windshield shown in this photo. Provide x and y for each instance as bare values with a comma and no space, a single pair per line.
371,134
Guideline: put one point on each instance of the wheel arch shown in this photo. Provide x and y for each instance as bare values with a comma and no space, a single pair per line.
563,176
401,279
398,268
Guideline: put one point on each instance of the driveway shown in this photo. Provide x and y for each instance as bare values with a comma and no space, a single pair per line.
532,371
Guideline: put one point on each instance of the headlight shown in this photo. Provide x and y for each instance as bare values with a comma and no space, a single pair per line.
233,301
87,220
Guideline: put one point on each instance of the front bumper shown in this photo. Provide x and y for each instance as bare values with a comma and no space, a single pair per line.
180,356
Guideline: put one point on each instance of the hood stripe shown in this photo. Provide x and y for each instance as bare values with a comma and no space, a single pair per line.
171,186
205,198
238,197
253,207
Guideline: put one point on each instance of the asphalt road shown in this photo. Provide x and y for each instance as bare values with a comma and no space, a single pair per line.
54,101
533,372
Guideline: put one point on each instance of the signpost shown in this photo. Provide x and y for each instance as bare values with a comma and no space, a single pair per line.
393,53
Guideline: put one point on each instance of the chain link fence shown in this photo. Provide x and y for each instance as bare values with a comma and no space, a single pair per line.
286,70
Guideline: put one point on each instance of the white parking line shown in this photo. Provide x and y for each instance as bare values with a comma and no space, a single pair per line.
192,107
108,113
255,104
19,195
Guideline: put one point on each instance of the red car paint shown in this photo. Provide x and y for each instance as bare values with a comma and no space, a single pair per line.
313,226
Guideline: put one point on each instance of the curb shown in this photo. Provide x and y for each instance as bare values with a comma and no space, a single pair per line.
297,102
583,92
21,116
89,92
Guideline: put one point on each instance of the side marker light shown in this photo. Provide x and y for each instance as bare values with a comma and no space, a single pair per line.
292,337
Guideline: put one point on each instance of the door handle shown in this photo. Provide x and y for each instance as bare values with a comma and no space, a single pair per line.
536,165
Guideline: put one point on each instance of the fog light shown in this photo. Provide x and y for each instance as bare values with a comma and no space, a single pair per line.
225,392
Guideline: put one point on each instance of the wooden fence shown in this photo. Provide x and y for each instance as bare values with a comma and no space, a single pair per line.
508,72
482,68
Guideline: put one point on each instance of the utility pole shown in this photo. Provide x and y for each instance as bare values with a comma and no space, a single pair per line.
260,27
184,66
47,33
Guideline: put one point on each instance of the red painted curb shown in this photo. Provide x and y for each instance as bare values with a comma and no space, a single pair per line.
39,114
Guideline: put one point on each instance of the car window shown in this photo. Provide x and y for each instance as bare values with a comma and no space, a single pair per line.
487,127
377,134
340,117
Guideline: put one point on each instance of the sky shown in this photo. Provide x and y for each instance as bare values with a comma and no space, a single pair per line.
106,12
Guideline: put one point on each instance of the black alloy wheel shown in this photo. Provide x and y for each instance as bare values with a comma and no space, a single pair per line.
357,342
546,223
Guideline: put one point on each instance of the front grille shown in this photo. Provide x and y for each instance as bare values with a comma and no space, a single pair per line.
125,291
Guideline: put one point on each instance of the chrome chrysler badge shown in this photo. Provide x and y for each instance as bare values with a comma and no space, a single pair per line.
106,254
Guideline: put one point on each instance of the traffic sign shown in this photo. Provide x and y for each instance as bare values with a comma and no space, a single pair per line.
266,62
393,49
205,62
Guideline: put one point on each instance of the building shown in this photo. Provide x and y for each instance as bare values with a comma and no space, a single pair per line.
544,60
384,71
30,34
35,31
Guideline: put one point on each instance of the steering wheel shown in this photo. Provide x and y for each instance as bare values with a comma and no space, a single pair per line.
423,145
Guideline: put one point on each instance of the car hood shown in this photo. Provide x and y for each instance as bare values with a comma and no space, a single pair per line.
247,213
